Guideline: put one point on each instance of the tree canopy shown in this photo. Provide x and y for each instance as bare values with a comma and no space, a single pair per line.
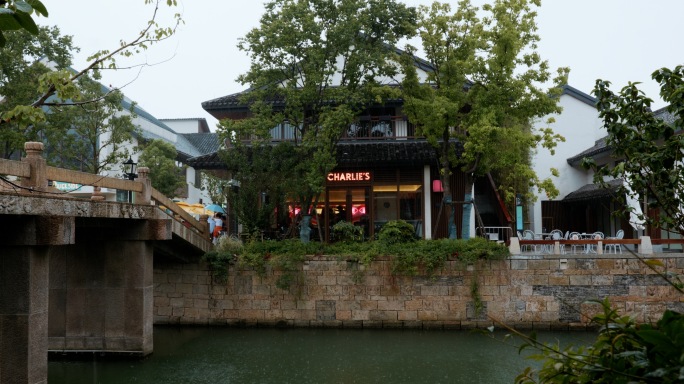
322,59
61,82
18,15
90,136
160,157
24,60
484,89
649,149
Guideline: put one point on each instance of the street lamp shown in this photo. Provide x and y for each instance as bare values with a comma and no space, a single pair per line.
129,173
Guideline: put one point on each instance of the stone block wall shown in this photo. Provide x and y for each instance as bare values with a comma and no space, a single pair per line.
101,298
549,292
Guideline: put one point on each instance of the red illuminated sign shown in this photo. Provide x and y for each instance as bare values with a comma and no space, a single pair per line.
349,176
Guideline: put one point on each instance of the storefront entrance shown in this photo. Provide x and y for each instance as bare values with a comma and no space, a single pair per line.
350,204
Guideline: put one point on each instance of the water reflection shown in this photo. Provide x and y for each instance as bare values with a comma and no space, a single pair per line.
229,355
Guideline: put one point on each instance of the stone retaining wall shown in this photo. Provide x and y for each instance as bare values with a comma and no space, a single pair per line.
548,292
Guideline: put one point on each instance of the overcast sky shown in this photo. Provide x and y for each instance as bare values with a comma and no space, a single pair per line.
616,40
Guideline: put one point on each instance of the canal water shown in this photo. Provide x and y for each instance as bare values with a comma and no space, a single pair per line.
199,355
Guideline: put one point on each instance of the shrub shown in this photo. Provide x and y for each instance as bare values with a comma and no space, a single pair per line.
624,352
346,231
224,254
397,232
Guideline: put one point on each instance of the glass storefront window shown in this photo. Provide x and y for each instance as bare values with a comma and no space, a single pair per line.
392,202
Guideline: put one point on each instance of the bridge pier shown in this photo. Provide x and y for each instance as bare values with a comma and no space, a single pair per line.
101,298
23,314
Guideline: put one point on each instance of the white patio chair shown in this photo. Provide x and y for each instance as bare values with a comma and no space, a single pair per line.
591,248
523,247
615,247
529,235
575,236
557,234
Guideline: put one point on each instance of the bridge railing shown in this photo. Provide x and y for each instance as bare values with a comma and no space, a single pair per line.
34,173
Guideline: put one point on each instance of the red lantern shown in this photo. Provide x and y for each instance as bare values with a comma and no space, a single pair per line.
437,186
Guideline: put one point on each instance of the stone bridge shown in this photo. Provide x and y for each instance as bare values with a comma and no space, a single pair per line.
76,274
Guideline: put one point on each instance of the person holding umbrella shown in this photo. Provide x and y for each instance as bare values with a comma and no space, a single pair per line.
218,226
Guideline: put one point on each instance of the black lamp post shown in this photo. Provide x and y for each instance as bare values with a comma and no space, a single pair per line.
129,173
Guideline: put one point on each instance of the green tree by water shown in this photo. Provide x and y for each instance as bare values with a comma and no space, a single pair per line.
322,59
484,90
651,150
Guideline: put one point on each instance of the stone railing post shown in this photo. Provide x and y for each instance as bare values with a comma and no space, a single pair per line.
34,157
514,246
204,225
646,247
145,197
97,194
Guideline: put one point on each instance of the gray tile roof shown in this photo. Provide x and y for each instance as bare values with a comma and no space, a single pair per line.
205,143
593,191
357,153
579,95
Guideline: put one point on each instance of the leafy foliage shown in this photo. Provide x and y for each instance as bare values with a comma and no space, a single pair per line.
160,157
61,83
223,256
397,232
652,148
422,256
321,60
17,15
91,136
483,91
22,63
624,352
346,231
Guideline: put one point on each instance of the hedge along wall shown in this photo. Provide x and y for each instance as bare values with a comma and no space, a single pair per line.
525,292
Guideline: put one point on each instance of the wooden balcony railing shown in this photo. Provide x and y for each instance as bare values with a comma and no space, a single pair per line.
364,128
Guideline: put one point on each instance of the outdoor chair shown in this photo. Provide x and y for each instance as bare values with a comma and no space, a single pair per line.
529,235
615,247
573,247
557,234
591,248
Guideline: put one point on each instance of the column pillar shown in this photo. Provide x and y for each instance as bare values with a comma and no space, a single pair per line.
23,314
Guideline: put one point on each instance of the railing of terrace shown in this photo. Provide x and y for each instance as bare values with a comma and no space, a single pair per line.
364,128
495,233
34,175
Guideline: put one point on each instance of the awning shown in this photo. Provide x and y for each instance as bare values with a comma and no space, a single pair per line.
593,192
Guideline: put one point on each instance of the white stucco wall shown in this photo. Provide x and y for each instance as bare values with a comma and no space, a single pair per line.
182,126
580,125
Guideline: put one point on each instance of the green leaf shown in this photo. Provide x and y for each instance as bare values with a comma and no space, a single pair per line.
2,40
7,21
26,22
38,7
23,6
654,263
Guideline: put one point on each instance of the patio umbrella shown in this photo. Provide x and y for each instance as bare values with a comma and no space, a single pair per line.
215,208
197,209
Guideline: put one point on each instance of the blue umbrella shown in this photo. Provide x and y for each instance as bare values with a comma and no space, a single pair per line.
215,208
